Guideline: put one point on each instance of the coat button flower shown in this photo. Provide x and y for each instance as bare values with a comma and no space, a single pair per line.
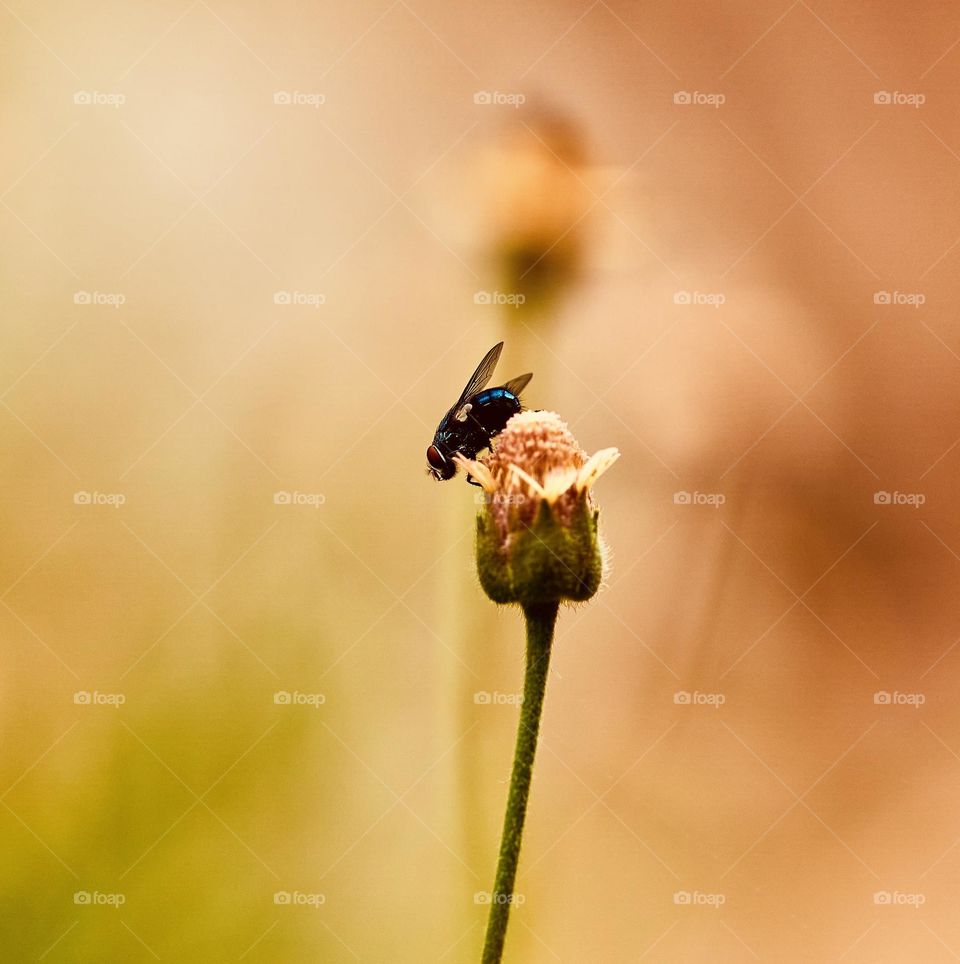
537,533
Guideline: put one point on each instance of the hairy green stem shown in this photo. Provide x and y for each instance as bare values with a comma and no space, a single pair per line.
540,621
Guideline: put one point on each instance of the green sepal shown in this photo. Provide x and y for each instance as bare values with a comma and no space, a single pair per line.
548,562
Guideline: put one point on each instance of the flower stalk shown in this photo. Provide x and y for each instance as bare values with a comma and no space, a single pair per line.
538,545
541,619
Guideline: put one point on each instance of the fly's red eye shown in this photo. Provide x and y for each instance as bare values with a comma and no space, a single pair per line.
434,457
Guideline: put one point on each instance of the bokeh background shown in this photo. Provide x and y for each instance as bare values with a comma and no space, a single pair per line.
252,252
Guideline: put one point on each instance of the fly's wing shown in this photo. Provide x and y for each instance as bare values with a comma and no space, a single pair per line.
518,384
480,377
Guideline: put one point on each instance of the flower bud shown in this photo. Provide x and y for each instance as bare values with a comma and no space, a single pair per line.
537,533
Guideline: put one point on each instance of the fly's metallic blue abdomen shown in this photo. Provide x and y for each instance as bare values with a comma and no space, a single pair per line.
491,409
491,393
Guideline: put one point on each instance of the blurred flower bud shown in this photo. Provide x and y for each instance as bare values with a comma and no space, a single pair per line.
537,198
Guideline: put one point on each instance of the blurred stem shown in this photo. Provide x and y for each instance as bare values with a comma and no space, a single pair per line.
540,620
465,618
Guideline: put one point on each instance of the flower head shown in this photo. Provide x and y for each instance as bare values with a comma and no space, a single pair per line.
537,534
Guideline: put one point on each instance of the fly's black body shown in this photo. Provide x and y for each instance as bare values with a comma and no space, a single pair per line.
479,414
